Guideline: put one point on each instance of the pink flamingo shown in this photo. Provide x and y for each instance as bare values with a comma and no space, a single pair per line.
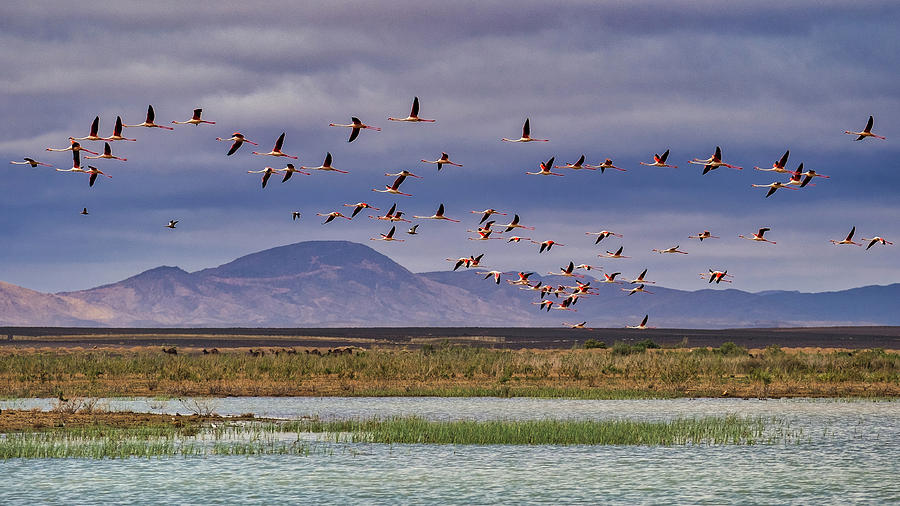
238,139
107,153
276,151
148,122
660,161
414,115
867,132
195,119
526,135
356,125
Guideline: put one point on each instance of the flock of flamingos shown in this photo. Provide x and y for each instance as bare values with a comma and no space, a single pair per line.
566,296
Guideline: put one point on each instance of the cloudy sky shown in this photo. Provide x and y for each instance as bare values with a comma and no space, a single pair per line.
607,79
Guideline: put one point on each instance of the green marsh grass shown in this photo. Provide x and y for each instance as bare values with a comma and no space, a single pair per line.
287,438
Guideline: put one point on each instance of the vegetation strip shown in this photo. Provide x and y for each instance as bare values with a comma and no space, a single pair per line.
621,371
285,438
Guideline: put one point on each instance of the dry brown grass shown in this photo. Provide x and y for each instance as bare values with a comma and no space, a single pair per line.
452,370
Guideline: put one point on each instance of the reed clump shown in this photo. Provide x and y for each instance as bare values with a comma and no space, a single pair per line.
624,371
287,438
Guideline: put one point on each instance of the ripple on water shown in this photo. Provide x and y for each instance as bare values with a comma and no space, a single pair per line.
851,452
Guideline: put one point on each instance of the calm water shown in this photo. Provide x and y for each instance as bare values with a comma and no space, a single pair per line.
848,452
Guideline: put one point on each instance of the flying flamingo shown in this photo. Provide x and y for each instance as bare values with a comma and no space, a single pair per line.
394,188
808,176
487,214
84,212
515,224
470,261
95,127
439,215
326,166
673,249
444,159
876,240
611,278
798,180
73,146
117,132
608,164
640,279
266,172
413,114
545,169
387,216
568,271
703,235
238,139
276,151
526,134
564,305
576,166
547,245
716,276
779,165
523,279
632,291
404,173
331,216
93,171
660,161
356,125
642,326
359,206
587,267
289,171
387,237
495,274
516,238
544,303
525,286
848,239
483,235
773,187
148,122
577,325
758,236
713,162
195,119
412,229
865,133
172,224
107,153
603,234
617,254
391,215
30,161
76,163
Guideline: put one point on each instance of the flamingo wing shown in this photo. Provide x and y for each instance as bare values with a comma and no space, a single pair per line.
415,108
526,128
353,134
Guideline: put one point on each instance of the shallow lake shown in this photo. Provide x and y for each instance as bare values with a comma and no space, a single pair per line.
848,451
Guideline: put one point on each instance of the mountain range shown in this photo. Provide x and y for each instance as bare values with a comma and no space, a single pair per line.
345,284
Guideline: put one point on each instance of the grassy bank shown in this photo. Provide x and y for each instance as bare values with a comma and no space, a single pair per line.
271,438
619,372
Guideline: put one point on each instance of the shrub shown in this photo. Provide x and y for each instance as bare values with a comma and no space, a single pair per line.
593,343
729,349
